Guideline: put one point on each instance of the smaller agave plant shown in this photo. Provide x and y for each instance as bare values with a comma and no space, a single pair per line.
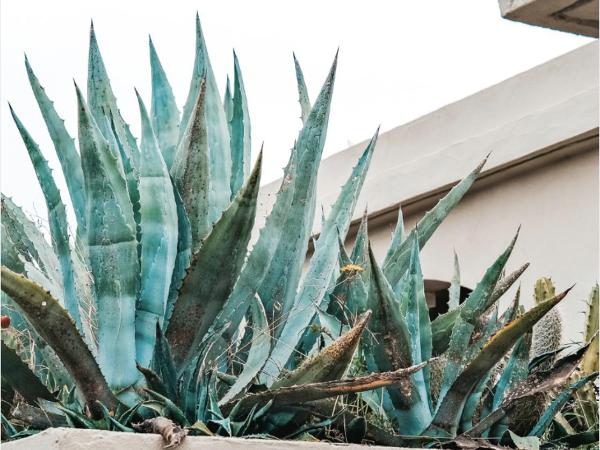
157,315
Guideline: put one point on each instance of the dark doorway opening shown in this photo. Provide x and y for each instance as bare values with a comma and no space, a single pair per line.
437,296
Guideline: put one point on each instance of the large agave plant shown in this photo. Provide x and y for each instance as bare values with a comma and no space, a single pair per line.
156,306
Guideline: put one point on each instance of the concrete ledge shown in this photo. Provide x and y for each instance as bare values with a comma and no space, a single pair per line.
72,439
572,16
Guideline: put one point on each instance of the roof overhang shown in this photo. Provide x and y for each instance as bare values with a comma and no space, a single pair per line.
572,16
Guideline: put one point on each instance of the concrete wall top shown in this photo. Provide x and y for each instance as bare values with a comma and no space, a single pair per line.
71,439
528,114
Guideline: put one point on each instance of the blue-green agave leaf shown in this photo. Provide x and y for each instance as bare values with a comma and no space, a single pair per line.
191,171
454,291
280,283
259,350
396,262
446,419
321,266
274,245
184,254
216,124
556,405
303,98
164,111
240,131
213,272
398,237
360,251
65,148
515,372
473,307
389,347
330,363
57,328
417,320
103,103
57,218
20,377
159,240
112,250
31,246
228,103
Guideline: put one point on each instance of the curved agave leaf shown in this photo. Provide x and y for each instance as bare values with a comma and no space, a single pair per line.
303,98
30,244
310,392
159,240
164,111
391,347
259,351
65,149
113,253
213,271
473,307
417,320
280,282
537,382
445,422
184,254
454,291
398,237
330,363
216,125
191,171
321,266
228,103
288,210
360,251
557,404
396,263
56,327
443,325
516,372
18,375
240,131
57,218
103,103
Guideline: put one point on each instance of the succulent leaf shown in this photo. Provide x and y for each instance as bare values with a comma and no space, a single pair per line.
164,111
280,282
18,375
159,240
65,149
446,419
258,353
112,249
212,273
473,307
216,127
240,131
321,265
303,98
191,171
57,328
57,218
396,263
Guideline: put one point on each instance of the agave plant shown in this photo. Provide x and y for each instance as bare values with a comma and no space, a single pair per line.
156,314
